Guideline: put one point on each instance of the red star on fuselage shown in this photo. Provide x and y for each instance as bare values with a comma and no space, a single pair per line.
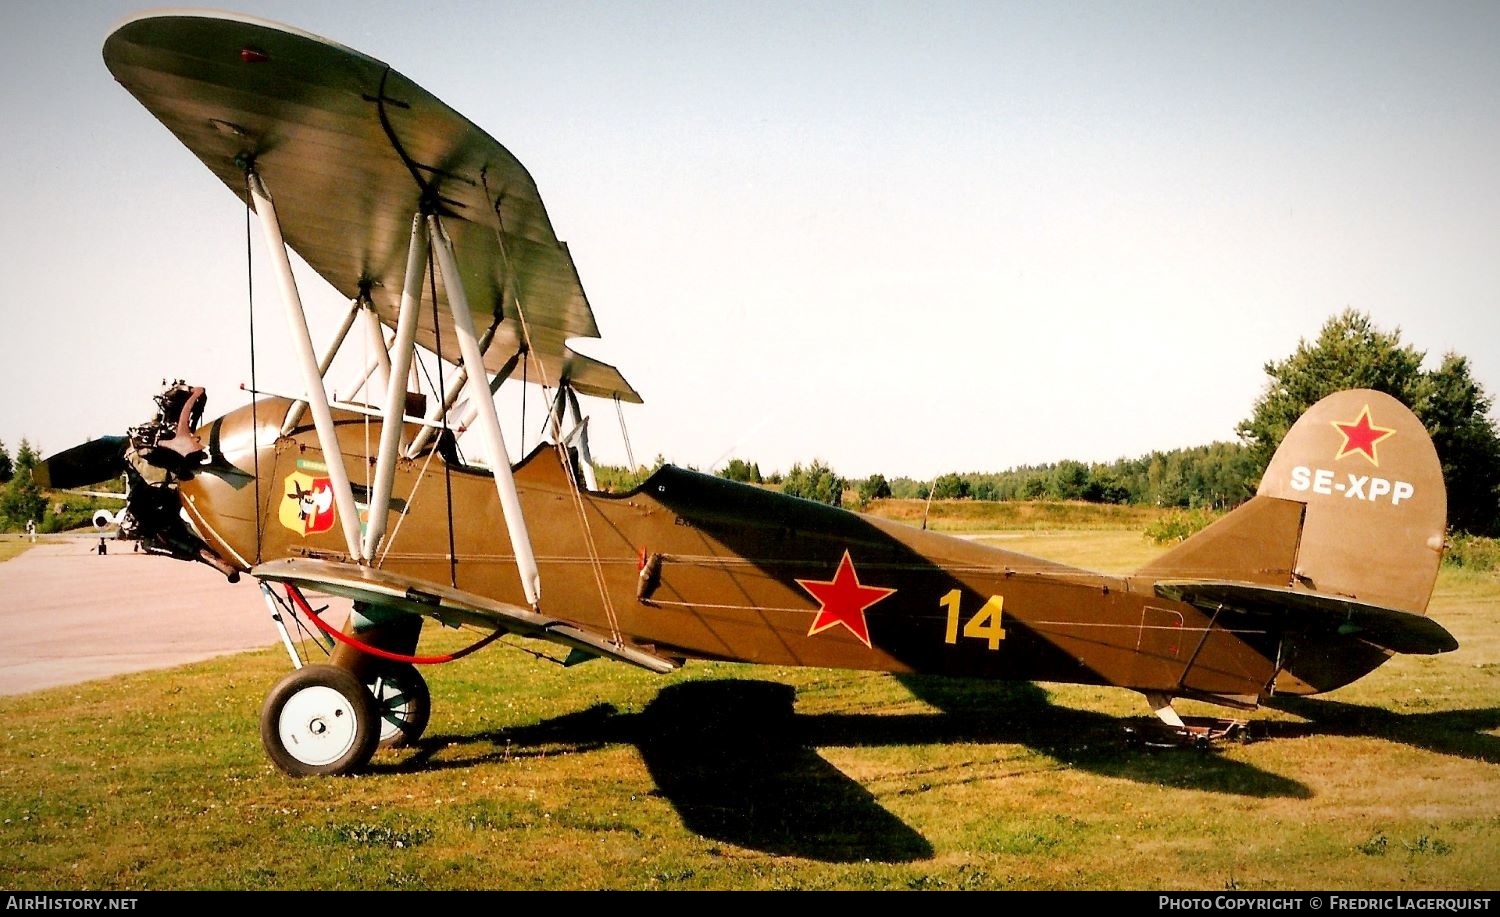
1362,436
843,601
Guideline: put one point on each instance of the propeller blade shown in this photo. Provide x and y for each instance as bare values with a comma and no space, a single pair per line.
94,461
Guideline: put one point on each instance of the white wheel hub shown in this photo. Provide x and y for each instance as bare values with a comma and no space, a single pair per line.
318,725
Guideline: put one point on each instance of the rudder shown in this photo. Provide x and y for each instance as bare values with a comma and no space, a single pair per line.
1338,551
1352,505
1377,507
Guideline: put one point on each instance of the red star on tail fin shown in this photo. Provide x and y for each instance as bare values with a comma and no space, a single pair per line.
1362,436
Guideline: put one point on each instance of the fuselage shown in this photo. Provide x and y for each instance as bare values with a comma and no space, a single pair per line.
699,567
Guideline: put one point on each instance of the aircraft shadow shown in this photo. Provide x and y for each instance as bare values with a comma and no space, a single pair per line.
734,759
1461,733
1020,713
739,765
730,758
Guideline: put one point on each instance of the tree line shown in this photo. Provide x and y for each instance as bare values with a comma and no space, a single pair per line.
1217,476
1349,352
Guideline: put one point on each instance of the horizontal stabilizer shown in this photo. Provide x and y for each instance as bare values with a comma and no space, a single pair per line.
1396,631
452,606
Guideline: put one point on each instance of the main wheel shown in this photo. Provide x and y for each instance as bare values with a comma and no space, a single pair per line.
319,720
402,702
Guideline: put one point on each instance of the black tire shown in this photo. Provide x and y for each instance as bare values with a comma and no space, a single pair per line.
319,721
402,703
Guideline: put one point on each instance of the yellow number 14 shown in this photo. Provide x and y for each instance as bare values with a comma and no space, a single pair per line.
983,626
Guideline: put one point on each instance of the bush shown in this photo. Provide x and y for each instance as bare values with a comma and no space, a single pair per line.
1472,552
1178,525
815,482
70,511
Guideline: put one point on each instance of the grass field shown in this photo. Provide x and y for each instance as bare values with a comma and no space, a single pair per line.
1015,515
11,545
601,776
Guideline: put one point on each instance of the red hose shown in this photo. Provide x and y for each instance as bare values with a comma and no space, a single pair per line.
295,595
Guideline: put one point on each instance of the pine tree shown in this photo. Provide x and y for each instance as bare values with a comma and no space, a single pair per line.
22,500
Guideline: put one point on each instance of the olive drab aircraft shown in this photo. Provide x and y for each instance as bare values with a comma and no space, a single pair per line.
437,237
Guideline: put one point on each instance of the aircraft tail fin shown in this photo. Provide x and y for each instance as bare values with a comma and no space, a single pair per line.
1340,546
1352,505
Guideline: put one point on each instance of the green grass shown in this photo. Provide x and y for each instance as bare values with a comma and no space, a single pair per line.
12,546
720,776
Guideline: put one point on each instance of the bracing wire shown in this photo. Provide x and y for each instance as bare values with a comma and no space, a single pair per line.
595,562
295,595
411,499
625,434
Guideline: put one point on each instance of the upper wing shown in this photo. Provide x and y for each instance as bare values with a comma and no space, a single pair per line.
1387,628
452,606
350,150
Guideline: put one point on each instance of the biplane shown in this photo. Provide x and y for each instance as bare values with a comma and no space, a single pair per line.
407,502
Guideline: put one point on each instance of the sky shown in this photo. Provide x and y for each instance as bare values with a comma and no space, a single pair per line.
905,238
